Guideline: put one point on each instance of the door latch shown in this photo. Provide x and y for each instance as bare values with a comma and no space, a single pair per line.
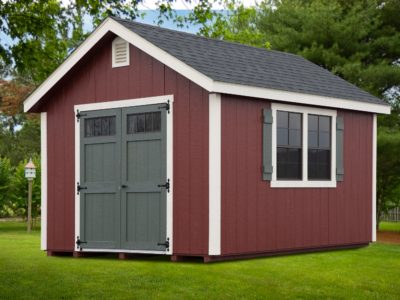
79,188
166,185
166,244
79,243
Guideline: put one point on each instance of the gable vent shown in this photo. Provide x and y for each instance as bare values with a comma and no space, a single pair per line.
120,53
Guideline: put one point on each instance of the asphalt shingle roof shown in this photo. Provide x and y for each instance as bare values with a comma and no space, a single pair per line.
240,64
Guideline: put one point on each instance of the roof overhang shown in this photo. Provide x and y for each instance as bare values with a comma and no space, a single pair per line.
110,25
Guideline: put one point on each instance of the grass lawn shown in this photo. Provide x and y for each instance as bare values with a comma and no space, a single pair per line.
389,226
26,272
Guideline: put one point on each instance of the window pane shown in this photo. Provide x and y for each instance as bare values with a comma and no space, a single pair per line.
295,121
101,126
132,124
324,140
324,123
313,139
145,122
157,121
283,138
319,163
312,122
295,137
149,122
289,164
140,123
283,119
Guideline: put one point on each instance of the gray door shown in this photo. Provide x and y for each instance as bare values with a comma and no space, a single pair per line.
123,162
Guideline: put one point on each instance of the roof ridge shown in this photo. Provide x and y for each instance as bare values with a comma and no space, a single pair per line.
204,37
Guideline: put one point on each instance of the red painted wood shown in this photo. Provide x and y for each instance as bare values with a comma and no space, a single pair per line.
278,219
93,80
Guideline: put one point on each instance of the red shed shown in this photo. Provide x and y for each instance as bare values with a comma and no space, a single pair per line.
158,141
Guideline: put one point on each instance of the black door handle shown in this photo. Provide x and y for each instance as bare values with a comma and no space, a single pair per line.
123,186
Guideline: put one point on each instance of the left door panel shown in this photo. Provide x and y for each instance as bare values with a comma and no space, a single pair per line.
100,163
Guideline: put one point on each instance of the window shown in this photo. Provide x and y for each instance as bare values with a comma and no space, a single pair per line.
145,122
102,126
303,146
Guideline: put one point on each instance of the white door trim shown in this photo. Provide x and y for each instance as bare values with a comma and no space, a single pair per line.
120,104
374,138
43,170
214,169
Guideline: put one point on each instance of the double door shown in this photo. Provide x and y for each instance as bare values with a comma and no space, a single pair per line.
122,184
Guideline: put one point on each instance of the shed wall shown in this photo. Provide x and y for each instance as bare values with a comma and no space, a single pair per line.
93,80
257,218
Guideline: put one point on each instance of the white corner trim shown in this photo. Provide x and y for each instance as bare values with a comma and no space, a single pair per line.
374,143
43,170
121,104
214,135
298,98
115,63
304,183
110,25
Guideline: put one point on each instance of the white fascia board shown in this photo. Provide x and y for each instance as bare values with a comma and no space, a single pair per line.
298,98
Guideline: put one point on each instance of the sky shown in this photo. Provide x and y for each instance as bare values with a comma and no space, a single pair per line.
184,5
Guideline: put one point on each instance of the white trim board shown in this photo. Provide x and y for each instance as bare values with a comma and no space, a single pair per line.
123,251
304,183
374,139
214,169
131,103
110,25
43,170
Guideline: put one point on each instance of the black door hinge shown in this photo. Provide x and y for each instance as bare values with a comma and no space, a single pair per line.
79,243
166,244
79,115
166,106
79,188
166,185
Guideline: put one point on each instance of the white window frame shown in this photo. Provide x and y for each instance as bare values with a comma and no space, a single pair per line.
304,183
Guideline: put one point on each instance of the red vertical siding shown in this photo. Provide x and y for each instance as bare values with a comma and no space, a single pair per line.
93,80
257,218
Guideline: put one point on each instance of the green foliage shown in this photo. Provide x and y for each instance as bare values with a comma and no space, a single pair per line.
388,171
21,144
358,40
44,32
5,176
19,190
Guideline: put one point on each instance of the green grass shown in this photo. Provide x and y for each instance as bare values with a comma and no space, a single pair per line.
389,226
26,272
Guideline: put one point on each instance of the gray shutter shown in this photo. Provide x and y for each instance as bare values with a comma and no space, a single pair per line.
267,144
339,148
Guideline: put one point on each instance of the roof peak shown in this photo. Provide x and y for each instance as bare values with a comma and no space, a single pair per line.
118,19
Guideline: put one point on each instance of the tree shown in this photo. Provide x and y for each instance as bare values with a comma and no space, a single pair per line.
5,175
358,40
388,172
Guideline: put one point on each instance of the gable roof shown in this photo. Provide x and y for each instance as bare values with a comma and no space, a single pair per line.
226,67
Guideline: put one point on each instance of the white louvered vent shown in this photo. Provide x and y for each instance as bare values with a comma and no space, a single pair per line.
120,53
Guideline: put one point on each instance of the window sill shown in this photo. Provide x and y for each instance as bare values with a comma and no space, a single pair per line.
303,184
